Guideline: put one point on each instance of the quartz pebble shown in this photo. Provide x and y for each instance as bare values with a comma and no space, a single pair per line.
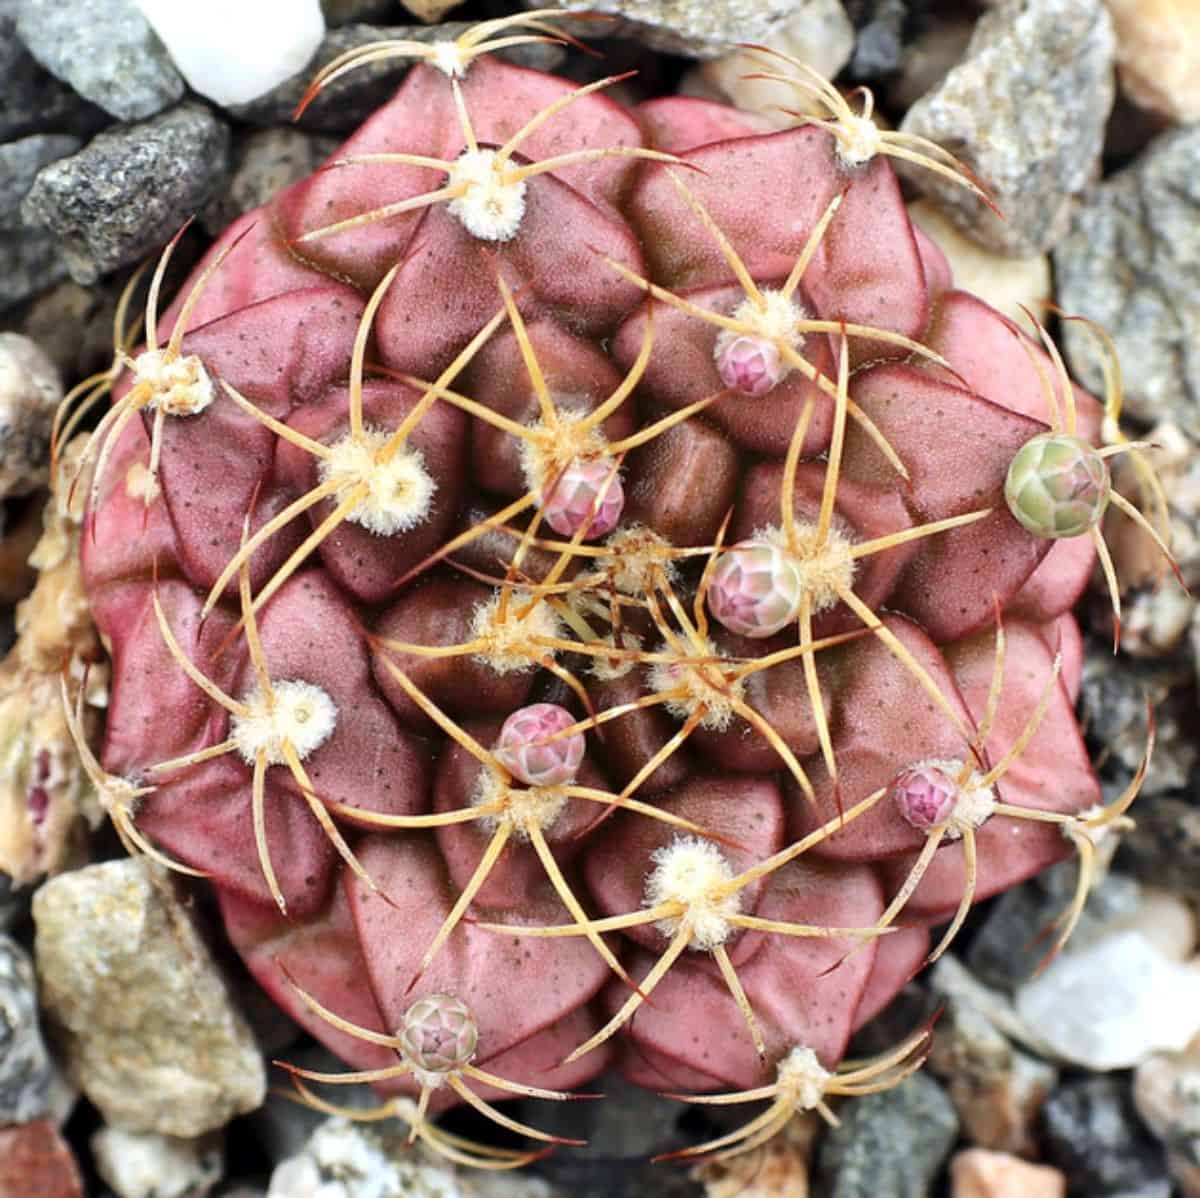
975,1173
1158,54
26,1073
274,40
146,1021
1026,111
146,1165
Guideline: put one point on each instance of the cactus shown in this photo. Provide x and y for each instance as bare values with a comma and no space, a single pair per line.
568,562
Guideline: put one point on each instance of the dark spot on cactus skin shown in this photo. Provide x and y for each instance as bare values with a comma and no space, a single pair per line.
38,797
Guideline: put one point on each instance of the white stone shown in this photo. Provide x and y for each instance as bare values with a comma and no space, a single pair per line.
147,1165
1113,1003
232,51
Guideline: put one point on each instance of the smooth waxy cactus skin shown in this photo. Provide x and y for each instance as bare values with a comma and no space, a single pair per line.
581,616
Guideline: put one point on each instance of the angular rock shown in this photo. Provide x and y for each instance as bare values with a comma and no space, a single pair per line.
148,1028
30,392
1113,1003
1158,54
702,28
1026,111
1130,264
26,1072
979,1174
146,1165
1093,1135
130,189
35,1162
105,50
890,1145
347,102
29,258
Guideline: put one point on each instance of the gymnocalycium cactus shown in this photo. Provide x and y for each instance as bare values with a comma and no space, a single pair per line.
564,562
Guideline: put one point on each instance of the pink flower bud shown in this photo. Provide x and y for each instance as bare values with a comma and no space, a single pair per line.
537,764
573,499
755,589
749,365
926,796
438,1034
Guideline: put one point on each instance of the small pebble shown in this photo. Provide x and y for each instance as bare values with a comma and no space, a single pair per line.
130,189
274,40
105,50
1166,1091
147,1165
1158,54
975,1173
30,392
145,1017
1025,110
35,1162
879,41
889,1145
1164,846
26,1072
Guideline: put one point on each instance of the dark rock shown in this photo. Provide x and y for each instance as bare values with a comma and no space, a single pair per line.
26,1073
130,189
1164,847
879,46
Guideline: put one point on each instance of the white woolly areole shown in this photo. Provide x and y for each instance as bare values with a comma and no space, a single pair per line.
523,805
858,140
703,687
449,58
179,386
609,669
548,452
511,645
803,1078
637,559
491,208
688,871
778,320
824,570
400,489
302,715
118,794
974,804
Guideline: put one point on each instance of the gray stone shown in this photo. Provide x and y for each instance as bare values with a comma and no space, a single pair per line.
346,12
1092,1133
1164,845
891,1144
1166,1091
146,1165
145,1018
130,189
31,99
1112,707
1026,111
879,46
30,391
346,103
264,162
29,258
1132,264
697,28
26,1072
105,50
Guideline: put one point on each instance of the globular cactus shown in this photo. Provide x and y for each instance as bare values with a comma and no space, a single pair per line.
567,562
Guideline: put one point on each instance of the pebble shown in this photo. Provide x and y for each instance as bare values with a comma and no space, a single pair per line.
1112,707
891,1144
1166,1092
1158,54
130,189
148,1029
264,161
996,1088
274,40
820,34
1026,111
147,1165
879,41
1129,264
346,103
929,57
975,1173
105,50
1113,1003
29,258
35,1162
779,1169
1093,1135
1002,281
1164,846
26,1072
30,391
